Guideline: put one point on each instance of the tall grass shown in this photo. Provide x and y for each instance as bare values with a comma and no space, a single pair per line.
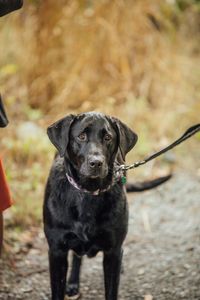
138,60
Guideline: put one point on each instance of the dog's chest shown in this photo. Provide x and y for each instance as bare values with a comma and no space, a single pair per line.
88,232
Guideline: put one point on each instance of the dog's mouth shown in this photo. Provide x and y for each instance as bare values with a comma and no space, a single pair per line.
94,176
102,174
93,182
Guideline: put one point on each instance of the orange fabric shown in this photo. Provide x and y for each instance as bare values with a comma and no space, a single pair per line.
5,198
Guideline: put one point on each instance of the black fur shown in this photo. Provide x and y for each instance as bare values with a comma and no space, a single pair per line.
146,185
89,146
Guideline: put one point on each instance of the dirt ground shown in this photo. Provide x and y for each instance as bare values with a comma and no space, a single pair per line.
161,252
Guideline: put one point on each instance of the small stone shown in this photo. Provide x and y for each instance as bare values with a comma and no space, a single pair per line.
141,271
186,266
148,297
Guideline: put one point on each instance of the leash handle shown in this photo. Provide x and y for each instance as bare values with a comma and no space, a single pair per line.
189,132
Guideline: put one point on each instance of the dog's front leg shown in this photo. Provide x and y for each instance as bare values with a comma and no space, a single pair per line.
72,289
112,266
58,270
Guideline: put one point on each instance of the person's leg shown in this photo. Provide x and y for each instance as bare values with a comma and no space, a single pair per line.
1,231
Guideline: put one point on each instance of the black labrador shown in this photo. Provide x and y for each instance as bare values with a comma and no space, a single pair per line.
85,207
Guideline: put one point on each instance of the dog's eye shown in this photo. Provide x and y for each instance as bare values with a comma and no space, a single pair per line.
82,137
107,137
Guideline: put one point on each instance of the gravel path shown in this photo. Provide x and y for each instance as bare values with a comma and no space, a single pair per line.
161,252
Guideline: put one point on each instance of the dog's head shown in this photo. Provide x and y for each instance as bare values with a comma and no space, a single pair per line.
90,143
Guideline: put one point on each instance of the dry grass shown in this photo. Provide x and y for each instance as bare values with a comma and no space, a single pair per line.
138,60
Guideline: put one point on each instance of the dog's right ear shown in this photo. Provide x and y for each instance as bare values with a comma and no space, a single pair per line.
58,133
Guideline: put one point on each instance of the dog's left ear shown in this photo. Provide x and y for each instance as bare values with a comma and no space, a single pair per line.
127,138
58,133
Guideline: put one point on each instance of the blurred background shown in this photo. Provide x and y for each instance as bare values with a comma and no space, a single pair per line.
136,60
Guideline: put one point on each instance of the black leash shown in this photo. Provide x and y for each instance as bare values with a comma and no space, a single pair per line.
190,132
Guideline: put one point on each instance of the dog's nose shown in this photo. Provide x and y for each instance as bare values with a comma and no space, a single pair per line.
95,163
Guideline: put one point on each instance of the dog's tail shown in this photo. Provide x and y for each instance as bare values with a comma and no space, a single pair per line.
146,185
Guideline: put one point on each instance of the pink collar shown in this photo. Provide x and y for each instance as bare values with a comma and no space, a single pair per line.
78,187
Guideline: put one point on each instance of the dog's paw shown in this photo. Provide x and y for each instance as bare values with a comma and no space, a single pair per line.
72,292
